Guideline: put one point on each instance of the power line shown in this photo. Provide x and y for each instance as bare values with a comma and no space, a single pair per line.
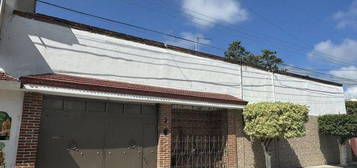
328,57
128,25
157,32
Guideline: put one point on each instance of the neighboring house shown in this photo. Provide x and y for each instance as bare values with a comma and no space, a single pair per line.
90,96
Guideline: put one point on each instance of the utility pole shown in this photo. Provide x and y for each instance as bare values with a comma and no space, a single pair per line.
198,42
241,77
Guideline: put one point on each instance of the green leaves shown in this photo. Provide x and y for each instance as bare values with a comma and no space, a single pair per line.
351,107
341,125
272,120
267,60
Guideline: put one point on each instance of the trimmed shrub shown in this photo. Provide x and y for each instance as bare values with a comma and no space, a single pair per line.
273,120
340,125
269,121
343,126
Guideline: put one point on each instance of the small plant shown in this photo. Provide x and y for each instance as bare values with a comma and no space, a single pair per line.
342,126
271,121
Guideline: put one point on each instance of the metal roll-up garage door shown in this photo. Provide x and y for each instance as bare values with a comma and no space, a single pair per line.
83,133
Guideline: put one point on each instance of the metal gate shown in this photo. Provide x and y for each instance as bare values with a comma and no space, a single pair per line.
199,152
82,133
199,138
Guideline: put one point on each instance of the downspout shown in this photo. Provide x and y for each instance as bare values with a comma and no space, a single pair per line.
274,100
241,96
273,86
241,78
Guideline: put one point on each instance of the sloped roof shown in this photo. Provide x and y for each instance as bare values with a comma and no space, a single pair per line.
84,83
3,76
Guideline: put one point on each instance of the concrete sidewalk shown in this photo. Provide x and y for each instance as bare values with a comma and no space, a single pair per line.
351,165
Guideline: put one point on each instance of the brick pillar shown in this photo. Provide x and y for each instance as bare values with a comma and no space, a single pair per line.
164,147
232,138
29,130
241,140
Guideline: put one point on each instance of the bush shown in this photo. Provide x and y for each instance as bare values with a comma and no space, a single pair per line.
340,125
270,121
351,107
273,120
343,126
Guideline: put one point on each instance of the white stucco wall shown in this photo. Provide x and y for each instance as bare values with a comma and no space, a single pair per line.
11,102
34,47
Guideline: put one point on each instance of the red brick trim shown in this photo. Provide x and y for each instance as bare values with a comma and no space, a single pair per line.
232,139
75,82
29,130
3,76
164,147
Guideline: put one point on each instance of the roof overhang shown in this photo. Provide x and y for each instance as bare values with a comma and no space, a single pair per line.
78,86
122,97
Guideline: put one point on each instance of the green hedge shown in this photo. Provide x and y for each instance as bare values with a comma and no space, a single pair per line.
351,107
341,125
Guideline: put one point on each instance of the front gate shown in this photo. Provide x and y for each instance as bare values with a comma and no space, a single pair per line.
199,152
199,138
81,133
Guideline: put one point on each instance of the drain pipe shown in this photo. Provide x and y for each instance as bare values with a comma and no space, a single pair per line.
241,78
273,86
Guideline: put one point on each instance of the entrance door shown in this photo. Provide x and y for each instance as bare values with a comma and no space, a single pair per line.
131,139
81,133
86,145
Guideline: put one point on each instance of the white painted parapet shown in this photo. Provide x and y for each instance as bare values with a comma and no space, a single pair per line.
36,47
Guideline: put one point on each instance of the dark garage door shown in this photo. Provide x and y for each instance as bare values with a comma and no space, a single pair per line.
82,133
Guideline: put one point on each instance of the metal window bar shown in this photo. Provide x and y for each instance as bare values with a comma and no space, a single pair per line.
199,152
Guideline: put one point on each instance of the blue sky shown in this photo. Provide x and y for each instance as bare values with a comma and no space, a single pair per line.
318,34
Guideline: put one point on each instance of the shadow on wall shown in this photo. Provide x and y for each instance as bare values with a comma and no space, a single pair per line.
286,155
19,55
283,155
329,148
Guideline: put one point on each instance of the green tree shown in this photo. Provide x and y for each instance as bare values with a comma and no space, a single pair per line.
236,51
268,60
351,107
267,122
342,126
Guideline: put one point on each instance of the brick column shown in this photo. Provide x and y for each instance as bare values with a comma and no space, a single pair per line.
232,138
29,130
164,147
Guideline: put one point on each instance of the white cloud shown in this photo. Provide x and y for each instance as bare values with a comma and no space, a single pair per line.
347,73
226,11
345,51
188,36
351,93
347,18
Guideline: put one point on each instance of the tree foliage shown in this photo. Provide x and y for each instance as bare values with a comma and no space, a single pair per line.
267,60
273,120
340,125
351,107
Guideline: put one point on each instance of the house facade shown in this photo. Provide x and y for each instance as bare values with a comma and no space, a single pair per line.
82,96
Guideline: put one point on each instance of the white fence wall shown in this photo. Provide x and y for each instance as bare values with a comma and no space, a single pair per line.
34,47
